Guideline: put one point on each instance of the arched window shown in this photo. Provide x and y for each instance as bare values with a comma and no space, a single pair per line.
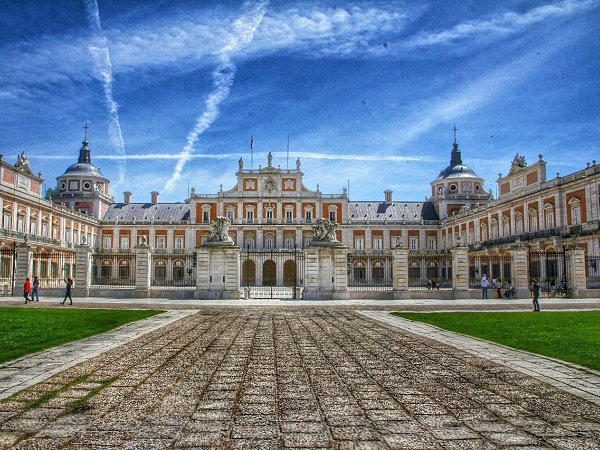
518,223
160,270
178,270
533,220
549,216
575,205
106,268
360,272
378,270
124,269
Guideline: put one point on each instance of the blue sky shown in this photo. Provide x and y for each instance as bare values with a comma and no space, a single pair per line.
368,92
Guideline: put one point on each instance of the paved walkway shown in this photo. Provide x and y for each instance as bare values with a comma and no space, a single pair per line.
298,376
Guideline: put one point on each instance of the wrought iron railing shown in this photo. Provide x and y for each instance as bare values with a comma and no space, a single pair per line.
113,270
431,271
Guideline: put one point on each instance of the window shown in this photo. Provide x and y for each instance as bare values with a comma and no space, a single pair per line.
333,216
250,242
533,221
160,270
549,219
269,242
34,228
414,243
308,216
359,243
289,216
289,242
269,216
377,243
160,242
124,242
484,234
106,242
21,224
45,229
7,221
179,271
249,216
431,243
55,232
307,240
505,227
575,211
178,242
205,216
230,214
519,224
494,230
378,271
67,234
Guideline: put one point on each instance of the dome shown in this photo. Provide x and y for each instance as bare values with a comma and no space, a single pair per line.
84,167
456,169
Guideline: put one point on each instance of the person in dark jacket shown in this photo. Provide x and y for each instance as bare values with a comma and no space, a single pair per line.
69,286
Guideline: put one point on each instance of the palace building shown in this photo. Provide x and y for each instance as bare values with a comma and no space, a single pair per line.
271,210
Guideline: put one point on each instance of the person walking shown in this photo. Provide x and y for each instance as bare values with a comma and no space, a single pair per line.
34,289
485,284
69,282
498,287
535,289
26,290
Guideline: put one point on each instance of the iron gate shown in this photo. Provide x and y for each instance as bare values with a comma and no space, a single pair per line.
551,270
272,273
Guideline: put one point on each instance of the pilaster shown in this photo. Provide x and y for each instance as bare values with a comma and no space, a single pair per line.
83,270
576,282
460,272
519,271
24,266
142,271
400,273
218,272
326,276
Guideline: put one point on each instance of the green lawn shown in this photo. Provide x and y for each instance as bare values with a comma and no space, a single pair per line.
569,336
24,331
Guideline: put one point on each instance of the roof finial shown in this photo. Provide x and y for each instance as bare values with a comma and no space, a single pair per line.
455,130
85,132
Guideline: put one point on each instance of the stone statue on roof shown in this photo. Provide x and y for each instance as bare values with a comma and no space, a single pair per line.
241,163
22,160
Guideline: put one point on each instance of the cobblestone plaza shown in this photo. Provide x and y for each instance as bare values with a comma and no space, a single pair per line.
292,377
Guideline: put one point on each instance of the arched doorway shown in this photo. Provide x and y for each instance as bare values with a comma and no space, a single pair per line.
249,273
269,273
289,273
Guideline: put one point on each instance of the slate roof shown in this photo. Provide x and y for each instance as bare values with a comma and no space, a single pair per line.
83,169
395,211
146,212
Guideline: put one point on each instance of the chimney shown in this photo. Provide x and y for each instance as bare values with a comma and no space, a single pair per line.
154,197
388,196
127,197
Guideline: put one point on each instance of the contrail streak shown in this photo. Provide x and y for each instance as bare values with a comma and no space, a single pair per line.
101,57
223,76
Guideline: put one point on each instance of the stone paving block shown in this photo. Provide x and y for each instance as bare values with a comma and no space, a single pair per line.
511,438
305,440
411,441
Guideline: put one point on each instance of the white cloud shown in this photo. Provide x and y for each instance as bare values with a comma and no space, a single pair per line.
493,27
